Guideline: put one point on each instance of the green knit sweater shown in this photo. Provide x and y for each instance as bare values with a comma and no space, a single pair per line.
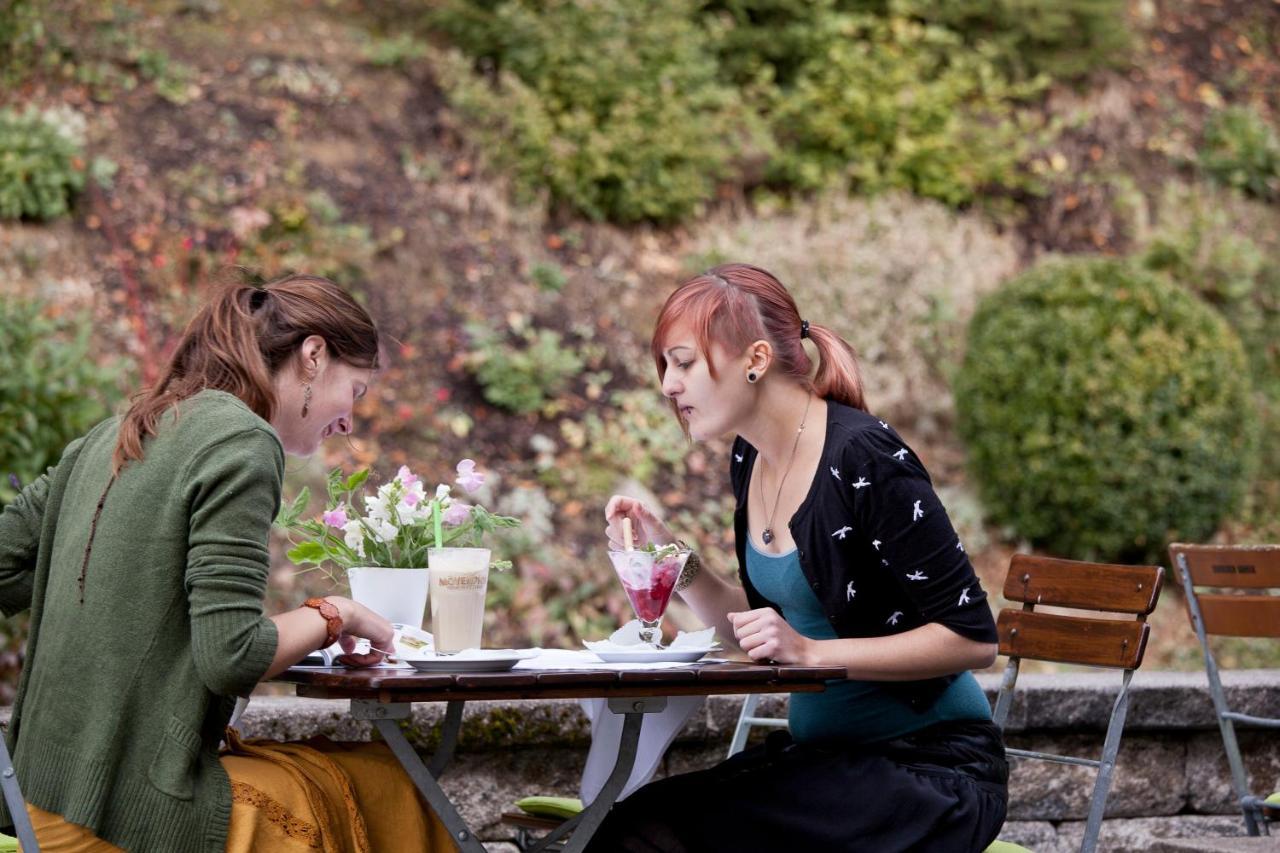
126,692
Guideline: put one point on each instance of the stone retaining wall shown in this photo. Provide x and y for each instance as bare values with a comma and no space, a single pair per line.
1171,779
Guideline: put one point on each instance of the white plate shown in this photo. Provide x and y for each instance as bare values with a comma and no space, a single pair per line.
651,655
472,660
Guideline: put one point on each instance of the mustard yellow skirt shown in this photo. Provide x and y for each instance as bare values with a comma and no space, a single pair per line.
315,795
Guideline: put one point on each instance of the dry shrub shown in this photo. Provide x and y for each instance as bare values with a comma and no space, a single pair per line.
896,276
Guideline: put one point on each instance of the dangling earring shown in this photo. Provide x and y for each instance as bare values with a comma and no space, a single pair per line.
306,399
752,376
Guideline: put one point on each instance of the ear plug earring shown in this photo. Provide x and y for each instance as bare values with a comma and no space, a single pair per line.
752,376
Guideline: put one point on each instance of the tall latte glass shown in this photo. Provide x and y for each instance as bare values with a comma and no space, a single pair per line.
459,578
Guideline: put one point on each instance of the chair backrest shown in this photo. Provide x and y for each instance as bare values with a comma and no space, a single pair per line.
1242,605
1244,574
1086,640
1077,639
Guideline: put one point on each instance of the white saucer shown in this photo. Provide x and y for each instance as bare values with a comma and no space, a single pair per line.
472,660
649,654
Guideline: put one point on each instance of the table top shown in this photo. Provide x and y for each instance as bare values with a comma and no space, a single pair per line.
701,679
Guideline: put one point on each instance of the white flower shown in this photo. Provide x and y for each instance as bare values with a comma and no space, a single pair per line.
354,535
378,508
442,492
383,531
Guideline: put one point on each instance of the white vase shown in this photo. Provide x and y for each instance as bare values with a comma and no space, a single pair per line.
397,595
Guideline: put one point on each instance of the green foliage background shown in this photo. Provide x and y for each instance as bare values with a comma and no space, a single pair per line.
640,112
1107,411
51,388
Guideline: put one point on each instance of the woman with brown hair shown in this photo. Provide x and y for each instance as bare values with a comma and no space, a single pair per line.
845,557
143,557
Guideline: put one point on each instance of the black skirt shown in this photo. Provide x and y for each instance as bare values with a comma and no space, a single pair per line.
942,789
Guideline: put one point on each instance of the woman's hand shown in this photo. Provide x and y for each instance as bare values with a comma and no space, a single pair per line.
764,635
359,622
644,524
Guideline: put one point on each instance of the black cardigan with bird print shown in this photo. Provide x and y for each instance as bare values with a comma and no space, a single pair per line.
874,542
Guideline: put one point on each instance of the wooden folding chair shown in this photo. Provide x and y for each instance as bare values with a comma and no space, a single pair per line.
1077,639
1245,603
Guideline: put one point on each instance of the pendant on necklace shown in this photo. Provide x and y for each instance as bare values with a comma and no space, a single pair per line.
767,536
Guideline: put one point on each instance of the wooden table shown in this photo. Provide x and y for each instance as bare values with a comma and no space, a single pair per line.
384,696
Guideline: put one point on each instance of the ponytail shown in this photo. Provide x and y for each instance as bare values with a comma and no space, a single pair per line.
839,377
238,342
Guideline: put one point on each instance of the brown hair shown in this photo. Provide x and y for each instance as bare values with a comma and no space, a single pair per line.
240,339
736,304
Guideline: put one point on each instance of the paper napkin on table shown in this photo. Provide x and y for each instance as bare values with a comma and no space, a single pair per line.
628,637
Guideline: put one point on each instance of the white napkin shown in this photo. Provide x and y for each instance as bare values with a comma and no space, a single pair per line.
571,659
657,731
627,638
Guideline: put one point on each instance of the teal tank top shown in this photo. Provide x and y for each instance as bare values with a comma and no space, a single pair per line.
848,710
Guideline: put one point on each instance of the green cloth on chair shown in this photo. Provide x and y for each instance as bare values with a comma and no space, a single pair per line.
1005,847
8,844
561,807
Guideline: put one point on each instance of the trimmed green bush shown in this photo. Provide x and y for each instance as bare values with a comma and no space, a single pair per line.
41,163
1242,150
51,389
1106,411
1225,248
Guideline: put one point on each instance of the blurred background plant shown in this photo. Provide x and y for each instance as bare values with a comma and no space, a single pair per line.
42,162
1242,150
52,388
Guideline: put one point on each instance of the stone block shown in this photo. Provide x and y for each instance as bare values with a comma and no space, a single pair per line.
484,785
1148,778
1209,777
1142,835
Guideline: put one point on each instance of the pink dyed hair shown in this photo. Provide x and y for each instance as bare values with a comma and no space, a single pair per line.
734,305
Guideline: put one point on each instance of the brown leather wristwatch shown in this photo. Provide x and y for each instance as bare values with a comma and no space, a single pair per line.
332,620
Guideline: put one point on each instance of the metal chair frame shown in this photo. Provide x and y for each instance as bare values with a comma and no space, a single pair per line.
747,719
17,805
1252,806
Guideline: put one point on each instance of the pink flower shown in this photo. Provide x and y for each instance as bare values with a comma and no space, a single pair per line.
407,477
411,499
456,514
468,477
335,518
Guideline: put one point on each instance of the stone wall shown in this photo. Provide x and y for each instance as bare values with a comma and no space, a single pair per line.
1171,780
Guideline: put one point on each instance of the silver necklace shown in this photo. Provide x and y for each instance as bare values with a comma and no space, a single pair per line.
767,535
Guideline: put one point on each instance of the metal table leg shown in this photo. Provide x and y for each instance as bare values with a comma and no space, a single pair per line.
386,717
585,824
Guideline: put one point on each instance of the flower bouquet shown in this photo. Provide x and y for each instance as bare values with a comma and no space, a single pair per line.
384,546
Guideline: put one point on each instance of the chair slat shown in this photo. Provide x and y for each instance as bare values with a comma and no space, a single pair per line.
1231,566
1072,639
1091,586
1241,615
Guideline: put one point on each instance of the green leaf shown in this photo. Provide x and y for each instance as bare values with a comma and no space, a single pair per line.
307,552
291,512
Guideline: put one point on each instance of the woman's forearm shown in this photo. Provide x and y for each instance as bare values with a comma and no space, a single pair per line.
925,652
712,599
299,632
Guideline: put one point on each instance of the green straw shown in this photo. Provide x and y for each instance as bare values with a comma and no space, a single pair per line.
435,512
